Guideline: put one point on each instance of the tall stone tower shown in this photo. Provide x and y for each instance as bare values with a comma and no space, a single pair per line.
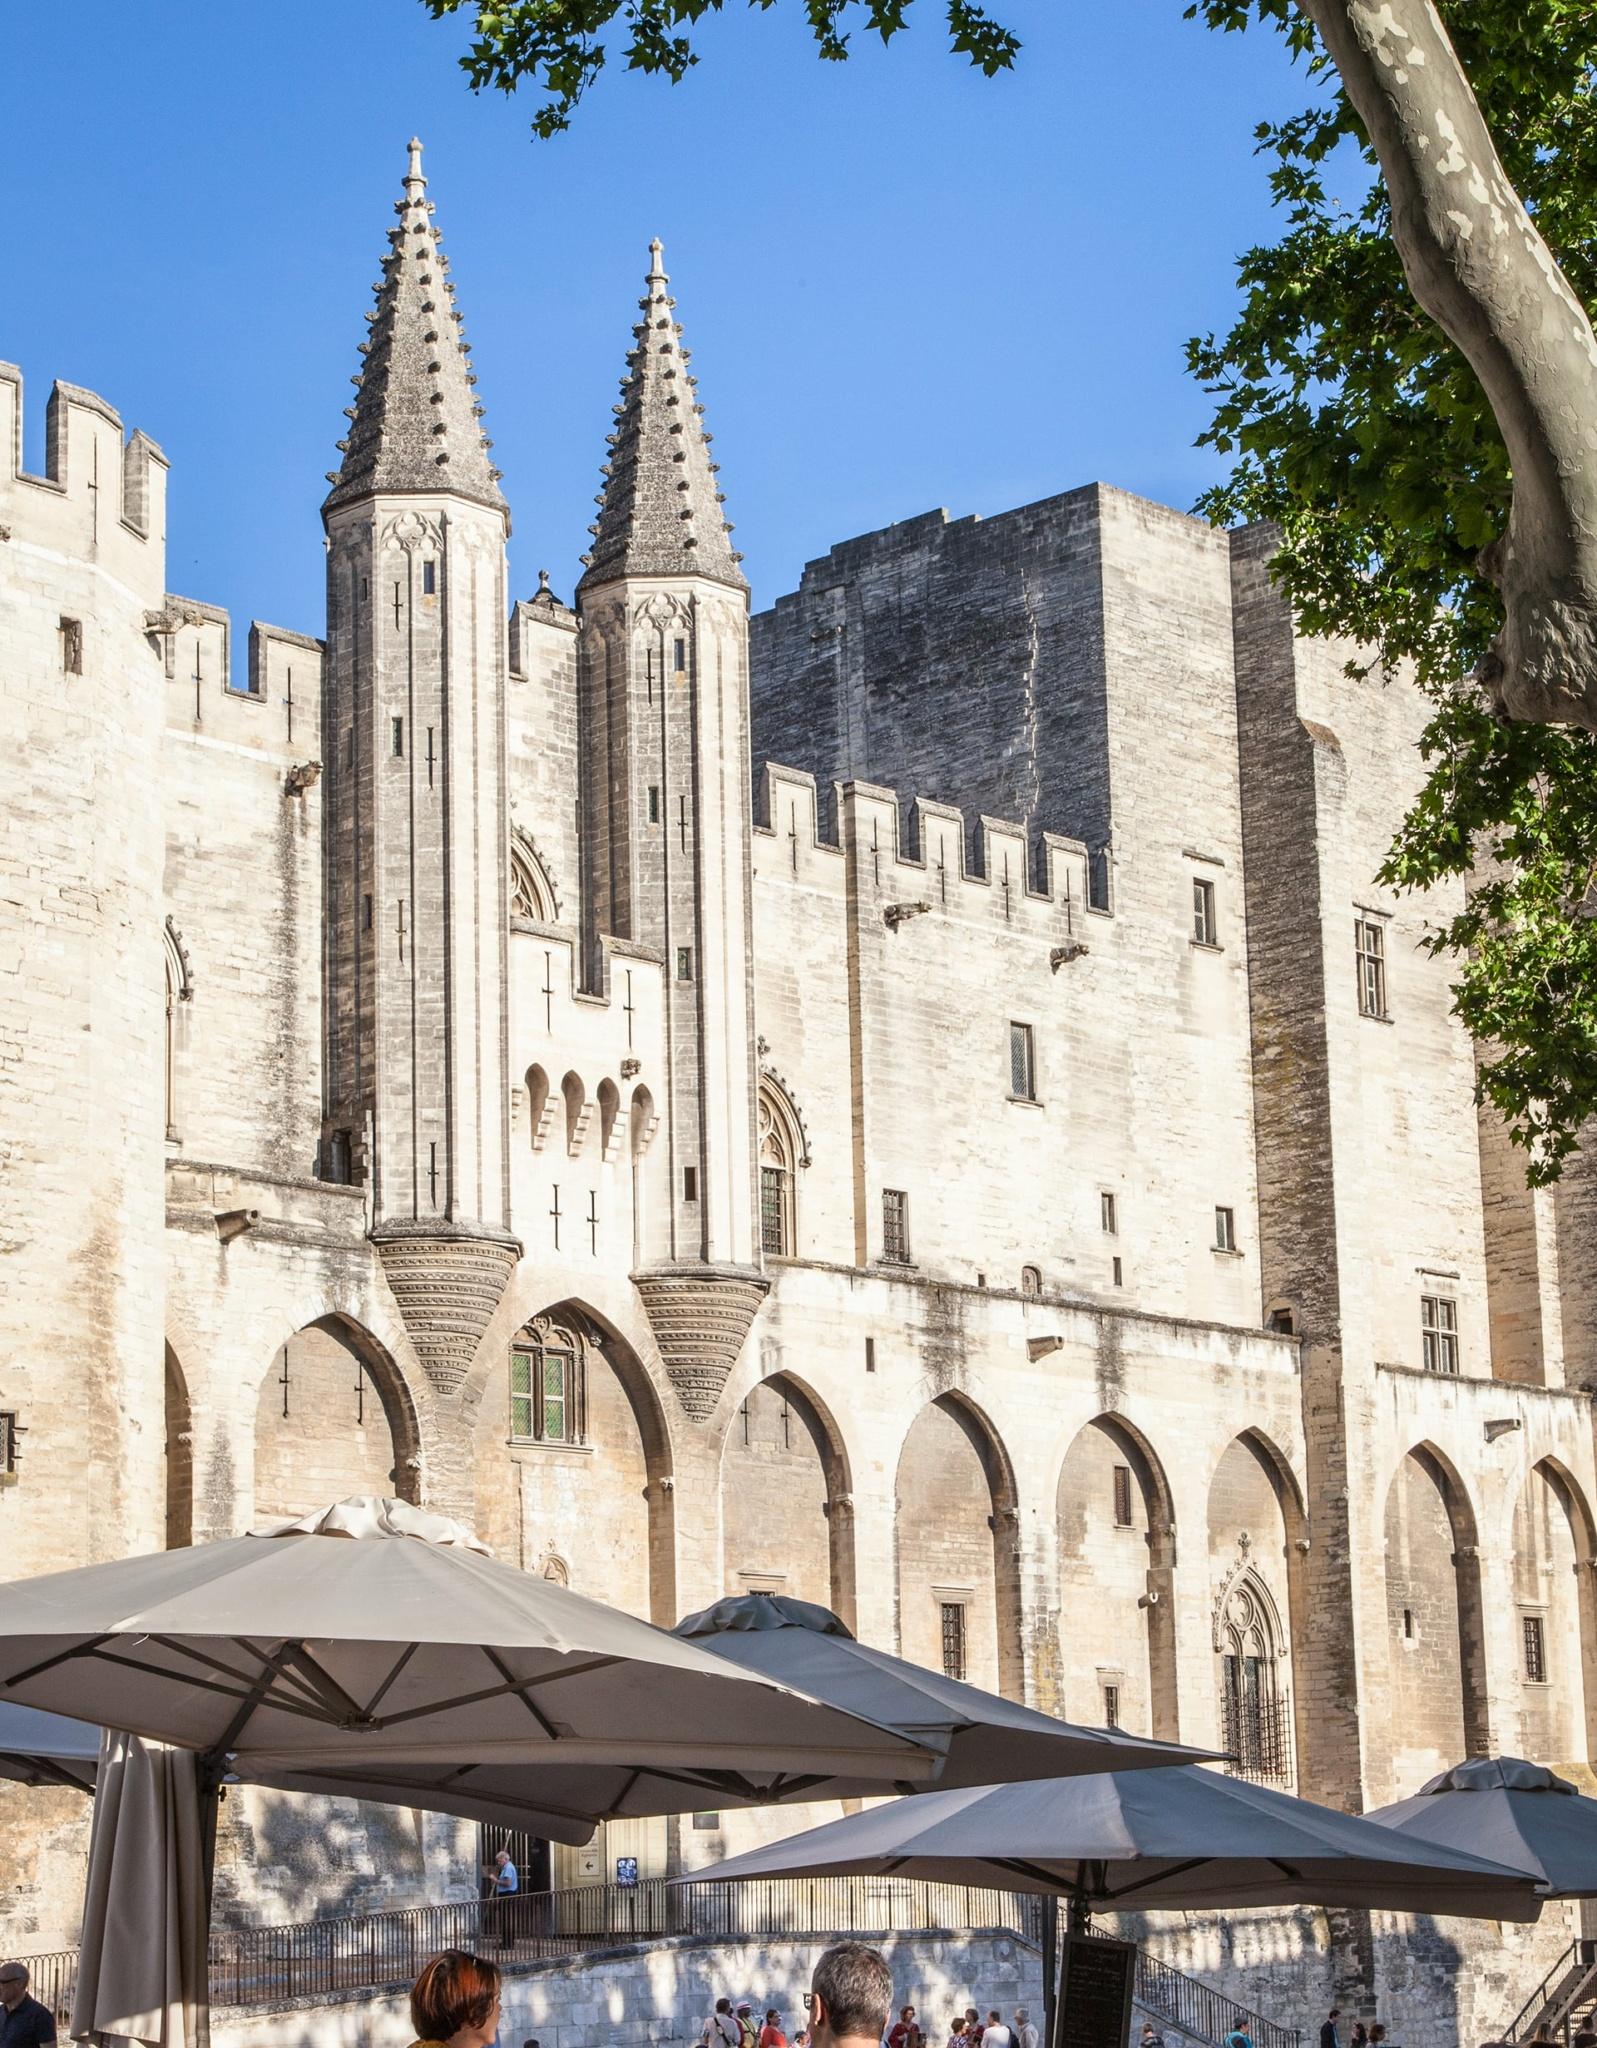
417,813
667,822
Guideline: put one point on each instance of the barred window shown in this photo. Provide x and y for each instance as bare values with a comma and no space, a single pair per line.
895,1226
1022,1063
1122,1496
1535,1651
953,1638
1205,927
776,1178
1439,1333
1111,1706
547,1390
1109,1214
1369,945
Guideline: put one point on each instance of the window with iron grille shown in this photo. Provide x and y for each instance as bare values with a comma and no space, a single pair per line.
1022,1063
776,1178
1205,927
1257,1732
706,1823
1111,1706
895,1226
1369,946
1439,1333
1225,1230
773,1210
1122,1496
546,1389
953,1638
1535,1650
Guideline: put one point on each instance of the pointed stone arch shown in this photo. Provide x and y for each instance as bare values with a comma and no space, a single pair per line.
957,1542
787,1501
333,1416
1551,1549
1435,1618
179,993
1116,1534
782,1153
178,1487
601,1499
1255,1570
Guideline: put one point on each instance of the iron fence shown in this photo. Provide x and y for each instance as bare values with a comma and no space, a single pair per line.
1198,2009
368,1951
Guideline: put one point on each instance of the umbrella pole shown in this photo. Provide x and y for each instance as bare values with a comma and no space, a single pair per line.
1050,1965
212,1769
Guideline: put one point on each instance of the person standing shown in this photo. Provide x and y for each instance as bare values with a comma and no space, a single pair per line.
504,1881
721,2030
24,2022
1329,2037
906,2031
996,2034
1151,2036
771,2035
851,1994
1025,2033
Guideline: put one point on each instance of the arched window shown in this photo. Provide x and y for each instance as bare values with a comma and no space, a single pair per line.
777,1154
539,1108
531,893
179,990
1255,1729
1031,1282
609,1105
548,1385
578,1112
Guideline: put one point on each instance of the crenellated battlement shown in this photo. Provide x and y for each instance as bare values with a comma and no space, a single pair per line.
907,855
271,701
103,494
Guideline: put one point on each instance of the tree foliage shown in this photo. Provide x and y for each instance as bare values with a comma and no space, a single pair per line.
1362,433
561,46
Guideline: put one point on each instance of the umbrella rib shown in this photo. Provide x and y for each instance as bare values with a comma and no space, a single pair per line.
1171,1870
228,1692
87,1649
381,1693
270,1668
324,1685
518,1686
210,1662
1035,1871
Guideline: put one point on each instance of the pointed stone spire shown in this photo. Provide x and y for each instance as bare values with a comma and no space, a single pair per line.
415,420
660,511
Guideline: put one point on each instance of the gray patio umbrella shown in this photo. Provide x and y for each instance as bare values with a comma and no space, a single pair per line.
47,1749
1511,1811
986,1738
1134,1841
375,1641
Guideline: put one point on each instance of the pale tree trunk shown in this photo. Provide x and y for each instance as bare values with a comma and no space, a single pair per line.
1477,265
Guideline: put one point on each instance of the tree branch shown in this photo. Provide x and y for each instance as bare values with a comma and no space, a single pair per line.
1476,263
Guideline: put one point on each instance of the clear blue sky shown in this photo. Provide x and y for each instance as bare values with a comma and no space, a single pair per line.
905,285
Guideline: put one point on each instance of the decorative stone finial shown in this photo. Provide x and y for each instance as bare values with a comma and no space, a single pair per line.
413,175
657,263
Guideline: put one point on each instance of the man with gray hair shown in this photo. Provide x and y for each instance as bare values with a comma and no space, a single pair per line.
851,1994
1024,2032
24,2022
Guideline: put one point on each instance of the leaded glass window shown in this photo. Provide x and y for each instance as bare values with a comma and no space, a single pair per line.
547,1389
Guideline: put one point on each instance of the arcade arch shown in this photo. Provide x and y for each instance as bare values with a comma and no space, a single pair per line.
1433,1614
786,1507
1551,1548
572,1462
178,1457
1255,1518
1116,1618
956,1532
333,1417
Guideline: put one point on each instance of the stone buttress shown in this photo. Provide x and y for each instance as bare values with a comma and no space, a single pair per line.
417,810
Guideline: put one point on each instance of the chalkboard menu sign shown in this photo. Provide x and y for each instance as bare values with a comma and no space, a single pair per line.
1095,1993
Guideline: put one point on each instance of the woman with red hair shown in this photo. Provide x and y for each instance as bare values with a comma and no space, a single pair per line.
454,2003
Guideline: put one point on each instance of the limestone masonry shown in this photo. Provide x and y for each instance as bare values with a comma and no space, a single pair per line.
916,1101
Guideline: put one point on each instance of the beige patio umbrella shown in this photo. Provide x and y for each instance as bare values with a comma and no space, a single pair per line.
376,1649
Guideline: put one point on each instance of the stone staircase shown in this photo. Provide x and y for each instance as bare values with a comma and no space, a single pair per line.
1185,2009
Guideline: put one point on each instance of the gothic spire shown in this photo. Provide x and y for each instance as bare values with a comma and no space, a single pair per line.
660,510
414,423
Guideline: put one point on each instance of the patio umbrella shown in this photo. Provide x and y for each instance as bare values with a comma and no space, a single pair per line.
985,1737
1512,1812
375,1641
1134,1841
142,1962
47,1749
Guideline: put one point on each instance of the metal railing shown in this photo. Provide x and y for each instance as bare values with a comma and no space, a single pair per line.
1201,2011
365,1952
1571,1981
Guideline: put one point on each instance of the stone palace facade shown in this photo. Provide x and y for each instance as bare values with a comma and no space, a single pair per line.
1003,1167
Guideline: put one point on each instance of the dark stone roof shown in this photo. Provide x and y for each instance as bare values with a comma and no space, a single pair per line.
660,510
414,424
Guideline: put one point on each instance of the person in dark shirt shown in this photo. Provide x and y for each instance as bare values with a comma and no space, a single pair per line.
24,2022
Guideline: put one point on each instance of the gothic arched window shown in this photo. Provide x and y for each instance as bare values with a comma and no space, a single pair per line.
777,1154
531,894
1256,1730
548,1385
